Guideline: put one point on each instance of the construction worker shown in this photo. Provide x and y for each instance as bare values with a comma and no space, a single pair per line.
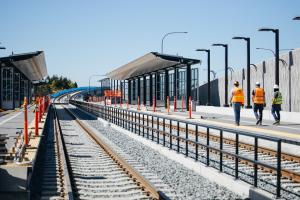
276,105
237,101
258,98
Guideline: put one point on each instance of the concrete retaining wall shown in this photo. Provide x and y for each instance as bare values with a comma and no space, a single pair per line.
289,82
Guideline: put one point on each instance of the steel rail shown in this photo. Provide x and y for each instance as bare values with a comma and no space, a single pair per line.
146,186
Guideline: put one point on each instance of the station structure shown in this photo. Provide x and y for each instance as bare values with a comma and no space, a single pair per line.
154,77
19,74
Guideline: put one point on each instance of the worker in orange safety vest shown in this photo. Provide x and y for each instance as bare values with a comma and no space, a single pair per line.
258,98
237,101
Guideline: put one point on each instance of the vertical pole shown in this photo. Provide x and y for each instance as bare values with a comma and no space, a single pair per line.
129,92
208,78
139,87
255,159
40,109
188,84
25,122
248,74
166,82
221,149
226,76
277,56
145,90
151,89
278,185
139,108
175,86
236,155
168,105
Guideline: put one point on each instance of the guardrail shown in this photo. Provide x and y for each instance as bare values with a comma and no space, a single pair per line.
139,123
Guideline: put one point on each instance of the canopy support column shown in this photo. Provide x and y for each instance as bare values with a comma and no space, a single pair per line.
151,89
129,91
166,82
188,84
145,89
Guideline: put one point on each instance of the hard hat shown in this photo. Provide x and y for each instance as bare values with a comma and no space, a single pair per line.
257,83
276,86
236,83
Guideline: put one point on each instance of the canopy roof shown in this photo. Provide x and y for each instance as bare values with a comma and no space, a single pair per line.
148,63
32,65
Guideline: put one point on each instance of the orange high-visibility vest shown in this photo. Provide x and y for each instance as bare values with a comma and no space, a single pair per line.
259,96
238,96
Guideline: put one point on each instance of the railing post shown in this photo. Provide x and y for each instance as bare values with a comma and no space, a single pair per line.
157,120
152,126
236,155
278,185
207,146
147,126
143,126
139,124
196,143
186,139
178,142
221,153
164,129
255,159
25,122
171,134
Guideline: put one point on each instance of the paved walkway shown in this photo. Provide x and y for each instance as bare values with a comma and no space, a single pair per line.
13,122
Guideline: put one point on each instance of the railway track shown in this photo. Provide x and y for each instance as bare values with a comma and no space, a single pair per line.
183,139
96,171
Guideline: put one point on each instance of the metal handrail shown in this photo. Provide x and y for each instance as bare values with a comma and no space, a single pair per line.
130,120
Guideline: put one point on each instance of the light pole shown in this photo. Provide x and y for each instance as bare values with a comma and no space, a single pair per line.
208,74
247,39
296,18
94,75
226,71
283,61
276,31
162,41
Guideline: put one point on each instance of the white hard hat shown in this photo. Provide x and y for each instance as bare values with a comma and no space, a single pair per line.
276,86
257,83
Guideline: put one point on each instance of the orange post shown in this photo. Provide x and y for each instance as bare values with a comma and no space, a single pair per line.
175,104
25,122
36,120
190,107
139,108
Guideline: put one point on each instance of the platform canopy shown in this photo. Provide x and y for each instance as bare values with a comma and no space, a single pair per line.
148,63
32,65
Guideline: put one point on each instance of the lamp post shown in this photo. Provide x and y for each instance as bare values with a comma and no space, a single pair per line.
247,39
226,71
283,61
296,18
94,75
162,41
208,74
276,31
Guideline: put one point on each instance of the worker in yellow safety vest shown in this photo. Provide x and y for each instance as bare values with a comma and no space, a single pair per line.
276,105
237,101
258,98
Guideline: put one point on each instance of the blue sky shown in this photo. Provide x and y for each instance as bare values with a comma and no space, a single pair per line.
84,37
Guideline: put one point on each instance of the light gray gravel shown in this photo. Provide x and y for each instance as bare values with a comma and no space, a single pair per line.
186,183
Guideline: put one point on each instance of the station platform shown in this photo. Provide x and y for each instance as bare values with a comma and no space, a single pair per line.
15,171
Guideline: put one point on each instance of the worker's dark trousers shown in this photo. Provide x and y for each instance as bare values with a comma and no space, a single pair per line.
237,112
276,111
259,108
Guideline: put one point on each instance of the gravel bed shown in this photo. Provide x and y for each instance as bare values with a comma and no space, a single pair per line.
186,183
